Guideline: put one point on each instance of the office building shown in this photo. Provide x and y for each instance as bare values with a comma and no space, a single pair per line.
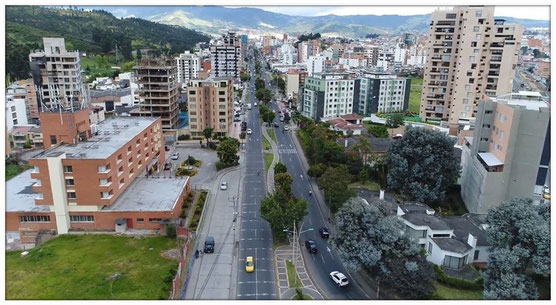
470,55
382,92
188,67
211,105
509,153
57,75
328,95
158,90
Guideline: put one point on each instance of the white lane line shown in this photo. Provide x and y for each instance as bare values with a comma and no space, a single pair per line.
301,177
322,257
256,281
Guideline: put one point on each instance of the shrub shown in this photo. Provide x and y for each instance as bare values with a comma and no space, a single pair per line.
220,165
181,137
193,225
379,131
316,170
457,282
170,276
191,160
183,213
212,145
171,231
280,168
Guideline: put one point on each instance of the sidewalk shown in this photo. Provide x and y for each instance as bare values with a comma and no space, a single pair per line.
270,174
283,254
212,276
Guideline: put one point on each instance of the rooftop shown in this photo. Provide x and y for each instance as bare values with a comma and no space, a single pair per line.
463,226
490,159
20,196
452,245
416,208
150,194
113,134
528,99
111,92
422,219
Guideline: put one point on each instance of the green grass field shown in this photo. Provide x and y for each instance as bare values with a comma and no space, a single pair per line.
266,144
447,293
268,161
293,278
272,135
369,185
13,170
415,94
74,267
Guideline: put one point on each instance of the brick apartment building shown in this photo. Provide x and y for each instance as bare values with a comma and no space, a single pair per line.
100,182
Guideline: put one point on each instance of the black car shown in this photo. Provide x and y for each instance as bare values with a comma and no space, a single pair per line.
243,126
167,166
323,232
311,246
276,125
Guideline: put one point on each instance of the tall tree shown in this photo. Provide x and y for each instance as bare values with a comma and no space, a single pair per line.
363,148
227,151
139,55
334,182
422,165
519,238
207,132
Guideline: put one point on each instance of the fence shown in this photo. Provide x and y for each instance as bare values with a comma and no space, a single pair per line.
176,281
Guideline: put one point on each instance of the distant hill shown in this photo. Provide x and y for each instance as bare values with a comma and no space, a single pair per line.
87,31
216,19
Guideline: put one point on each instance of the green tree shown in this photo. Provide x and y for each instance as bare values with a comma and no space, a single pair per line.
171,230
519,238
412,278
363,148
227,151
334,182
244,77
138,55
280,168
316,170
395,120
207,132
282,215
379,131
269,117
422,165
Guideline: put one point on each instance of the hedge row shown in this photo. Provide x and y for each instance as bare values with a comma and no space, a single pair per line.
457,282
197,211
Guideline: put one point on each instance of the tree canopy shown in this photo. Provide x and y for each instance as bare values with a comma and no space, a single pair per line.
519,238
227,151
422,165
334,182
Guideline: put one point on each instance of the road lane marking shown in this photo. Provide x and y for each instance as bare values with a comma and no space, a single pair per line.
322,257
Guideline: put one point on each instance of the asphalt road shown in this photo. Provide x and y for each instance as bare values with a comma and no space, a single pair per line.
255,236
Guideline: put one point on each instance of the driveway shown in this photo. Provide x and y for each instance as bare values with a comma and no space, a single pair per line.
207,173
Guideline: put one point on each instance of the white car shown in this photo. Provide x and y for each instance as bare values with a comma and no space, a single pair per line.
224,186
339,278
286,128
249,131
175,156
255,104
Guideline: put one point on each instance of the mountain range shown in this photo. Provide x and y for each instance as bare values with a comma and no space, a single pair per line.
217,19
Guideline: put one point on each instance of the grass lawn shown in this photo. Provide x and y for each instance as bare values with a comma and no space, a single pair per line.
293,278
370,185
79,266
415,94
272,135
268,161
13,170
266,144
448,293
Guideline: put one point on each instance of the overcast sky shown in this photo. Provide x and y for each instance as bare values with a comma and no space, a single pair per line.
525,12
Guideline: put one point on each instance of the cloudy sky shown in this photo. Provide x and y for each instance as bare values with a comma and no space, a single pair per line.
526,12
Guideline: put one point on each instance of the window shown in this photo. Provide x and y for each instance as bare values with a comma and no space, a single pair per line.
82,218
71,195
69,182
103,168
34,218
478,13
454,262
476,28
119,158
68,169
155,219
472,58
129,149
140,220
130,160
475,51
476,255
36,169
53,140
430,248
478,37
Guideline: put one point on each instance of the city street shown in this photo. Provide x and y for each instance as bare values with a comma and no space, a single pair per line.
255,235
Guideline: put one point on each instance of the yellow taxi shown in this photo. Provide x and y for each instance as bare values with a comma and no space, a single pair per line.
249,264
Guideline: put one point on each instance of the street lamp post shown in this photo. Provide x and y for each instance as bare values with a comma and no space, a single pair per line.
295,239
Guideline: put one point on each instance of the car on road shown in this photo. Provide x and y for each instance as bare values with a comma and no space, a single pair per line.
224,186
249,131
255,104
286,128
175,156
546,193
167,166
324,232
311,246
209,245
276,125
339,278
249,264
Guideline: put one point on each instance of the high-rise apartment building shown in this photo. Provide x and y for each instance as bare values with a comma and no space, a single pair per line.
327,95
306,49
188,67
382,92
211,105
509,153
57,75
315,64
371,53
244,42
225,57
158,90
470,55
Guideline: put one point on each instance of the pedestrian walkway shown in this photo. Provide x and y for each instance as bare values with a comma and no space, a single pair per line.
282,255
270,174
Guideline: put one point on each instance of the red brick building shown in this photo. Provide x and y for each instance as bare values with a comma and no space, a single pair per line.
103,182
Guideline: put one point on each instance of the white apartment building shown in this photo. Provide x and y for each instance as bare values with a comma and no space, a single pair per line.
288,54
327,95
315,64
16,112
382,92
57,74
188,67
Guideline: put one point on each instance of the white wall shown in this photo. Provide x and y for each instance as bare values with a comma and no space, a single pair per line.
15,110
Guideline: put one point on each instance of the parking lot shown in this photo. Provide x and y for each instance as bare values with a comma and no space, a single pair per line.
206,174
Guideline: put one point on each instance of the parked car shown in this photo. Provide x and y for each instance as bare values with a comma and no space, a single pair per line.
249,131
311,246
339,278
167,166
323,232
166,148
397,137
209,245
175,156
249,264
224,185
546,193
286,128
276,125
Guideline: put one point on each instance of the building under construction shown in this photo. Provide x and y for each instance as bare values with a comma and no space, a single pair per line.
158,90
